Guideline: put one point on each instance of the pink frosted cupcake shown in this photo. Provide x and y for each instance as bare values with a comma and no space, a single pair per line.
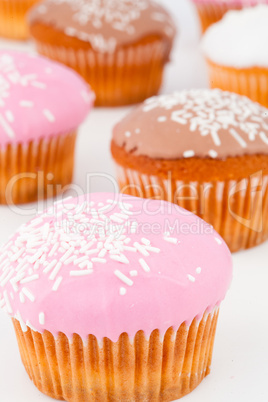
211,11
42,105
115,298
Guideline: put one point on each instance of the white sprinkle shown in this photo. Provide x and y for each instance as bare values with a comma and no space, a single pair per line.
145,241
171,240
57,283
128,134
28,294
86,264
37,84
102,253
153,249
71,259
4,281
128,248
25,103
238,138
133,273
218,240
67,254
198,270
55,271
123,278
191,278
122,291
162,119
6,127
120,258
100,260
50,117
8,305
213,154
188,154
22,298
116,219
9,116
94,251
50,266
30,279
141,249
81,273
81,259
144,265
42,319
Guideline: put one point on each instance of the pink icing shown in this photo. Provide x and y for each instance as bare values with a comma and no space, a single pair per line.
129,276
39,98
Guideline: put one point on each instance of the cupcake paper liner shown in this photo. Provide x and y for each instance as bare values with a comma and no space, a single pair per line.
37,170
211,12
251,82
127,76
154,368
13,23
238,210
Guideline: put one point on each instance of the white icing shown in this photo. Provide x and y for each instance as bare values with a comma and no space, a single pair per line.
239,39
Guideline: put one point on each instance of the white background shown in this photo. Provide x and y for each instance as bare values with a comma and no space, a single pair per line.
240,363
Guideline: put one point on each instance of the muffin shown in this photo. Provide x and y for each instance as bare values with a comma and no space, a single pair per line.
109,301
13,18
205,150
243,66
42,104
211,11
119,47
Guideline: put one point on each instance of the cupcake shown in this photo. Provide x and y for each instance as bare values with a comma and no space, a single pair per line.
13,18
115,298
241,67
205,150
119,47
42,104
211,11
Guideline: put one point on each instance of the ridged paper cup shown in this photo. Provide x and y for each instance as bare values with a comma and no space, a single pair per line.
238,210
154,368
13,23
36,170
128,76
251,82
210,12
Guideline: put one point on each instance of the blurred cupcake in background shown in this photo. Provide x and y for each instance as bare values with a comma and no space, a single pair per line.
235,49
119,47
211,11
205,150
42,105
13,18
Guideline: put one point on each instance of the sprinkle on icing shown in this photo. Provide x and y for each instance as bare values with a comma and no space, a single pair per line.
50,258
105,24
195,123
34,103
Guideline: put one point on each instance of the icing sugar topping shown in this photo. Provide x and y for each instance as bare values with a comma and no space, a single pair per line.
33,98
87,266
105,23
207,123
239,38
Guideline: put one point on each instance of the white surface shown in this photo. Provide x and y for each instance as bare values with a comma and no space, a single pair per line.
240,363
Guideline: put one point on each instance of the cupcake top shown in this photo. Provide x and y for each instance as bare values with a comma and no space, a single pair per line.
104,264
105,24
39,98
239,39
197,123
243,3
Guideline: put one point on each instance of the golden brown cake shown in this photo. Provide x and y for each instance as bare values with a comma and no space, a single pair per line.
205,150
119,47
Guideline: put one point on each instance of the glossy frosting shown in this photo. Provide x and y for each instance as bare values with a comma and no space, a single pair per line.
200,123
105,264
39,98
239,39
105,24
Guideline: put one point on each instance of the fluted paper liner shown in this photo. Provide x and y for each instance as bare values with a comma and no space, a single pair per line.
36,170
129,75
238,210
13,23
211,12
250,82
154,368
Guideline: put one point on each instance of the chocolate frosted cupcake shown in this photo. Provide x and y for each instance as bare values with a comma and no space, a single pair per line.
205,150
115,298
42,104
119,47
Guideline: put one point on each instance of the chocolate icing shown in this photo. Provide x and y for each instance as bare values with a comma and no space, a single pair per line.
196,123
105,24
